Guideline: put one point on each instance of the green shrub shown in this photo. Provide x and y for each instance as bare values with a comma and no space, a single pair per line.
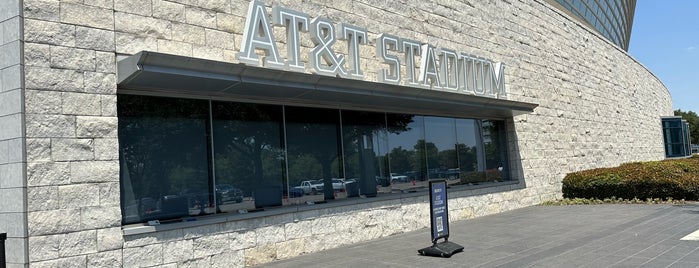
676,178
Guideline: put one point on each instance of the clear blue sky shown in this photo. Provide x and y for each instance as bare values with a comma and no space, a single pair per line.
665,38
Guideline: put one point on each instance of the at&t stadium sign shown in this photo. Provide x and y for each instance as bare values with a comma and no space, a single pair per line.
405,61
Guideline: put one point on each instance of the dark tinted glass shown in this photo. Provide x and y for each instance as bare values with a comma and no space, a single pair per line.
470,151
406,146
494,145
313,147
365,144
248,154
440,147
164,157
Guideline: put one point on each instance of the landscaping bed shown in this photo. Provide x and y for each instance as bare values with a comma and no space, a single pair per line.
676,179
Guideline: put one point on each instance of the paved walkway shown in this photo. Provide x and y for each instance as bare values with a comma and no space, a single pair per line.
540,236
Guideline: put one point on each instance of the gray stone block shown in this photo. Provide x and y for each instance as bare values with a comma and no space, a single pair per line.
109,194
72,149
54,79
169,10
16,250
100,217
81,104
106,149
9,9
72,58
38,150
76,196
100,83
14,224
10,54
95,39
109,105
78,243
105,61
138,25
12,78
45,126
134,7
4,152
94,171
46,32
15,194
51,222
149,255
48,173
178,251
96,127
11,30
12,175
127,43
86,15
105,259
37,55
43,102
109,239
2,32
11,126
42,10
15,150
42,198
11,102
201,17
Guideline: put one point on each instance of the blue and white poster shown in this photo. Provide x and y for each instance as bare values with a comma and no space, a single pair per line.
438,210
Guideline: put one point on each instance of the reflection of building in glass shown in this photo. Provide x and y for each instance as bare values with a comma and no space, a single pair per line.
611,18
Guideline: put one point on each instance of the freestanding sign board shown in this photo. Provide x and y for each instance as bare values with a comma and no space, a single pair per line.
439,219
438,210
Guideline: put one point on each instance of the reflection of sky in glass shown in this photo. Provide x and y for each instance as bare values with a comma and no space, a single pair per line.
440,131
407,139
437,130
466,131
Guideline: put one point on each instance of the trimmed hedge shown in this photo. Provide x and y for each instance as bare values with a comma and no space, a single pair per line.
676,178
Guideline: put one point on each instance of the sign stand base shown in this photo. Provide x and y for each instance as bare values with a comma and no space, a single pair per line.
444,249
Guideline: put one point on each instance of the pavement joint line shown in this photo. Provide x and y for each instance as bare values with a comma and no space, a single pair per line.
685,255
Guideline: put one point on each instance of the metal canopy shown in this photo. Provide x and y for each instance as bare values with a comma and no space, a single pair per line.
156,73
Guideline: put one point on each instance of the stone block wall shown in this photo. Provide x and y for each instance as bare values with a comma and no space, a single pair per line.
597,107
13,216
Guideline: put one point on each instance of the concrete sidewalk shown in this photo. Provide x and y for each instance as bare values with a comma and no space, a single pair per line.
540,236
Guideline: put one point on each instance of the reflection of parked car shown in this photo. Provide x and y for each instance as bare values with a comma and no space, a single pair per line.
311,187
226,193
338,184
293,192
395,177
695,148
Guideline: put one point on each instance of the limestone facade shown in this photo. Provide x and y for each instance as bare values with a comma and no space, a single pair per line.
59,160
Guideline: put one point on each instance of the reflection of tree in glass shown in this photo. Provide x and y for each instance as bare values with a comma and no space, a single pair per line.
305,166
313,133
163,144
468,157
247,145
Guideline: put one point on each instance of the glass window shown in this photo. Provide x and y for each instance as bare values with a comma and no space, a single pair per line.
313,148
470,151
406,145
440,147
185,157
365,144
494,144
248,155
163,145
